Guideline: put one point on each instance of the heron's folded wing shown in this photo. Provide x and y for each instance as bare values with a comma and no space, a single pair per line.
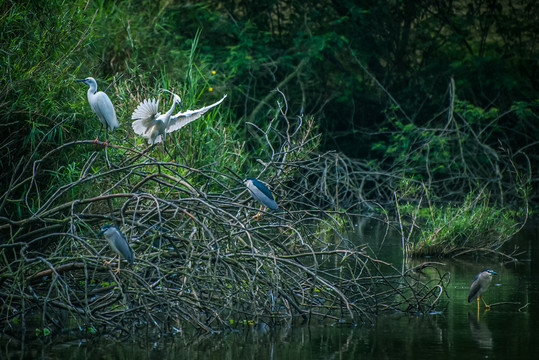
183,118
145,113
262,194
122,246
105,110
474,291
263,188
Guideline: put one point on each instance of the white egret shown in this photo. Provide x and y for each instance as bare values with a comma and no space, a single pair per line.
102,106
154,126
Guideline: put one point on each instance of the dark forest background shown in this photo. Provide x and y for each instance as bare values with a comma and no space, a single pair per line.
396,84
419,115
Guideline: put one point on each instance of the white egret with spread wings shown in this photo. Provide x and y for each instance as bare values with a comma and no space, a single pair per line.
154,126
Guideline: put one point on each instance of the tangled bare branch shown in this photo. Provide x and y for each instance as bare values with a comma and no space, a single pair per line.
201,260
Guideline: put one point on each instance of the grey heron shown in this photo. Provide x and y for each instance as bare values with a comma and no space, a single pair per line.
260,192
118,243
480,284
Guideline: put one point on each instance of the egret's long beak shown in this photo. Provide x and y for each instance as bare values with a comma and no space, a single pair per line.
180,103
101,232
81,80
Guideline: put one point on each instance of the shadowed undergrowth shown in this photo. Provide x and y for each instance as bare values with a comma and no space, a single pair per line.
202,261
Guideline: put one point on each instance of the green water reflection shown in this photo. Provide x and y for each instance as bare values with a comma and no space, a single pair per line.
510,330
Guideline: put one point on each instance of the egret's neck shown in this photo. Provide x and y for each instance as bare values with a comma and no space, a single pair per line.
168,114
93,88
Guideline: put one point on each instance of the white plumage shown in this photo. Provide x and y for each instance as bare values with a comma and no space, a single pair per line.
183,118
102,106
154,126
151,124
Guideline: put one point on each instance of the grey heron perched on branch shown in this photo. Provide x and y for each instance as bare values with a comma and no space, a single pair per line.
260,192
480,284
154,126
102,106
118,243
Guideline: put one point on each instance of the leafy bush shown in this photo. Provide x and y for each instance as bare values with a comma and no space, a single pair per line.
468,228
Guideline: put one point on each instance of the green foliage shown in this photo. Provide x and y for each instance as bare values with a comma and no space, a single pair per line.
456,228
459,157
372,73
44,332
370,77
39,58
46,110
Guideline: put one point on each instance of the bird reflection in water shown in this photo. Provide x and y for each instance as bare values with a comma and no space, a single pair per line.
480,332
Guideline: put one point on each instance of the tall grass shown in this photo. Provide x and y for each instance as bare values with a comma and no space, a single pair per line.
42,107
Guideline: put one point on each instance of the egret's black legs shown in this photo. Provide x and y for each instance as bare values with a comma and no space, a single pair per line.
98,134
106,136
166,150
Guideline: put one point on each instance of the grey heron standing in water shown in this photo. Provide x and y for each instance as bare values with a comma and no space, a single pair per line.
102,106
480,284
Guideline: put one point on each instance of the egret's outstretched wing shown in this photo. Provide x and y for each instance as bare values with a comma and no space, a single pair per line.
146,114
102,106
183,118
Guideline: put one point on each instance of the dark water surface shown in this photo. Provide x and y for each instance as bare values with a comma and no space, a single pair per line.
510,330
